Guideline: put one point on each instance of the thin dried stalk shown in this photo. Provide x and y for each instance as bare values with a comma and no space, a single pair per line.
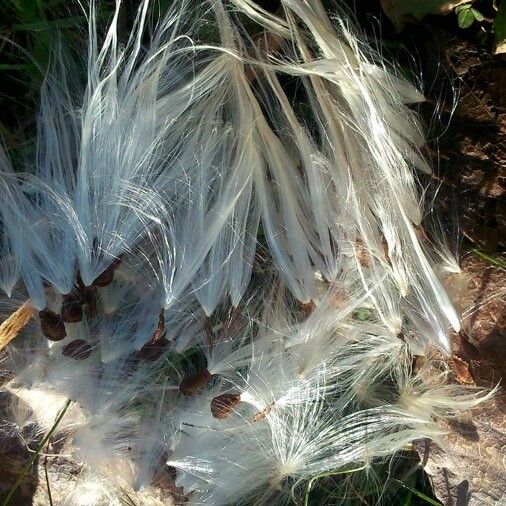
16,322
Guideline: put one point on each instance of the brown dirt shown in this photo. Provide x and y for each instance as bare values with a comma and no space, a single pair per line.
465,86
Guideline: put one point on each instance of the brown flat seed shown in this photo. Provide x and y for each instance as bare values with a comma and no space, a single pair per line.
306,308
222,405
78,349
52,325
153,349
192,384
72,308
90,299
362,254
107,277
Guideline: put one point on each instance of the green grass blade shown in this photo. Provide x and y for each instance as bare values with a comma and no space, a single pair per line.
38,26
490,258
15,66
407,499
30,462
420,495
69,22
327,475
46,474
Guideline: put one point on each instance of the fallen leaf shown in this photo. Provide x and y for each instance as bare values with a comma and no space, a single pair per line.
483,305
470,470
460,369
401,11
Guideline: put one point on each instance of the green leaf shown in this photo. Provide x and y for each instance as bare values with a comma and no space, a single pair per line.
465,17
26,8
478,15
38,26
400,11
461,8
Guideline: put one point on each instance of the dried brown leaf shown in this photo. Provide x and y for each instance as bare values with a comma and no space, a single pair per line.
471,470
460,369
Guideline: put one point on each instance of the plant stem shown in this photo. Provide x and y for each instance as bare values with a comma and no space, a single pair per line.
30,462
